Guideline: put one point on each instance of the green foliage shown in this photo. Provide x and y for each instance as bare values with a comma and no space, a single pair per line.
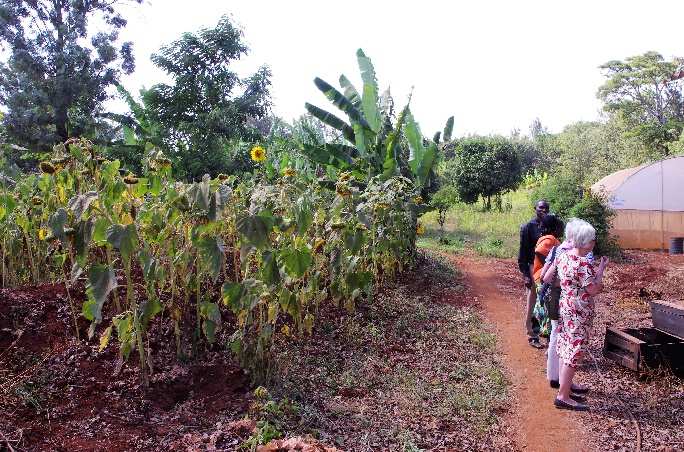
377,141
594,209
647,91
207,107
278,243
568,198
58,71
445,198
562,193
486,167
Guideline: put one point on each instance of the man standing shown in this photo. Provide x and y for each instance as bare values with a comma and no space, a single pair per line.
529,234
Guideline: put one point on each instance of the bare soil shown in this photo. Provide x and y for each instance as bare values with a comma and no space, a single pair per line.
629,410
537,424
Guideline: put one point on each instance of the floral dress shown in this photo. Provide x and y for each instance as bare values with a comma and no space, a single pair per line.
576,306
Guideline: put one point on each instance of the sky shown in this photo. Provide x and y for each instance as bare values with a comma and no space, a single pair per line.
493,65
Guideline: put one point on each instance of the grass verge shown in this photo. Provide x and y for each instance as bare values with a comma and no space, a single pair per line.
488,233
416,369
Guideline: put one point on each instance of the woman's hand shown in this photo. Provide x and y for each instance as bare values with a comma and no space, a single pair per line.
605,260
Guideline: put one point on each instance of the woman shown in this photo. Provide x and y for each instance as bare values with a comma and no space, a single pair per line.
579,281
552,300
552,229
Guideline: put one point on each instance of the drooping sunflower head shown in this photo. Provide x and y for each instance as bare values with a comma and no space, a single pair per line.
47,167
258,154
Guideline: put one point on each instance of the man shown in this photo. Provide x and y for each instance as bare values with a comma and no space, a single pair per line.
529,234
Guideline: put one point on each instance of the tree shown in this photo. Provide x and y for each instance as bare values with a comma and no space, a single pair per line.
486,167
57,75
200,112
647,91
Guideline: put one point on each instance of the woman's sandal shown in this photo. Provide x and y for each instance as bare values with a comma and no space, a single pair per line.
569,406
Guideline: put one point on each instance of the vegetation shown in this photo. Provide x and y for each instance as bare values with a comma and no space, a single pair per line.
207,107
485,167
646,90
56,77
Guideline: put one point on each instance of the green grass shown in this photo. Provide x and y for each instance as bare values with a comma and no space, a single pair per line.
488,233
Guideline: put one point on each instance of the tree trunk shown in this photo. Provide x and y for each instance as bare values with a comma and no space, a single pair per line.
60,100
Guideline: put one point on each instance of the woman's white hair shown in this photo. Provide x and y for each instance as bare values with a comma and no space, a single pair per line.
580,232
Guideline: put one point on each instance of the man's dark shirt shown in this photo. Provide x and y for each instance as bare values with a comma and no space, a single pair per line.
529,234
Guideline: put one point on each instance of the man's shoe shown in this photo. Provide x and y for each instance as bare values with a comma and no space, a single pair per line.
569,406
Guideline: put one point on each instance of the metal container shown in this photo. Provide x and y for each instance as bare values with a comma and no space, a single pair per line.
677,245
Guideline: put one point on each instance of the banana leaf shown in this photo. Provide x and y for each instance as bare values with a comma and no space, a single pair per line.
370,91
337,155
426,164
331,120
350,92
341,102
391,158
415,142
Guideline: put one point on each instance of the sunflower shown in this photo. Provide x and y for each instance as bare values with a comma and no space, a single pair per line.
258,154
420,229
418,199
47,167
289,172
42,234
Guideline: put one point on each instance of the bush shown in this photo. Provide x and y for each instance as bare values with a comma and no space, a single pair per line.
562,193
594,209
568,199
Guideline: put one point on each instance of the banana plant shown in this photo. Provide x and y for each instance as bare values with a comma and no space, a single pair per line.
373,140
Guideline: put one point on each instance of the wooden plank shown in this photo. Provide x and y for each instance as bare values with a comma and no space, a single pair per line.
627,361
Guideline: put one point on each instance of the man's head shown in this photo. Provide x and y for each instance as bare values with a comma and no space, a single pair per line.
541,208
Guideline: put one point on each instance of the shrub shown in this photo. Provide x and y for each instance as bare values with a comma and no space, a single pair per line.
568,199
594,209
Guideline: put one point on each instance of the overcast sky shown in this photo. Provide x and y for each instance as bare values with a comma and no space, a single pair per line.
494,65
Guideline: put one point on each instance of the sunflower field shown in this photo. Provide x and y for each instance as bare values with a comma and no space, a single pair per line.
250,256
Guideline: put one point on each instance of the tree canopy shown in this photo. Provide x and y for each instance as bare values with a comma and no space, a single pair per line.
647,91
486,167
207,105
58,71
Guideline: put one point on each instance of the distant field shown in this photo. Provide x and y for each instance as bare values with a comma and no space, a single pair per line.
490,233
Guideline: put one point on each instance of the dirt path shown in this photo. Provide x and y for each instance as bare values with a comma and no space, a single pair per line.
540,426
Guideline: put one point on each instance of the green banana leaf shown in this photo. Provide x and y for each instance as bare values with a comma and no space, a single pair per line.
341,102
426,164
415,142
331,120
337,155
350,92
390,165
370,91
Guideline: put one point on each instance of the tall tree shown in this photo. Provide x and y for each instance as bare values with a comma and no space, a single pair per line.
207,105
58,71
647,91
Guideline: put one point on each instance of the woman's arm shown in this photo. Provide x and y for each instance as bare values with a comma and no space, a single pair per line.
550,272
597,285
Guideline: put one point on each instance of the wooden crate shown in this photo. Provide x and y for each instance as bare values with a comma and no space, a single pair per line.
668,317
642,348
